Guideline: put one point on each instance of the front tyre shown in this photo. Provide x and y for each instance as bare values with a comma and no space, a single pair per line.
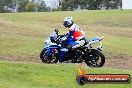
43,55
95,59
53,58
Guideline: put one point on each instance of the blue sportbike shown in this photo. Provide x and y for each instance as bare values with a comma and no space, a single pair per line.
90,54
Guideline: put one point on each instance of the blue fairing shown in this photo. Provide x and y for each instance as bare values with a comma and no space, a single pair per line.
61,54
53,47
71,42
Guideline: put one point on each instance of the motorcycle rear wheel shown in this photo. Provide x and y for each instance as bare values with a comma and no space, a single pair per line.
94,57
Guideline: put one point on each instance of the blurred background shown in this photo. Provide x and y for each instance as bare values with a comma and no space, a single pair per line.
62,5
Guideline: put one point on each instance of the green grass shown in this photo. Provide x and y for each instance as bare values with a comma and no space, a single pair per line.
27,75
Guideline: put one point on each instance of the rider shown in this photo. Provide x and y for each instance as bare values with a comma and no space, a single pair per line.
75,32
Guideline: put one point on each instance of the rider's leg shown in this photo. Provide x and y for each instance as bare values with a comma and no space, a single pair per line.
79,44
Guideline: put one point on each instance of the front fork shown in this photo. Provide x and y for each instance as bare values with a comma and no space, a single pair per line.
52,54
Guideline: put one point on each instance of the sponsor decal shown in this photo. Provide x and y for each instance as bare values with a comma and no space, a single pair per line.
83,78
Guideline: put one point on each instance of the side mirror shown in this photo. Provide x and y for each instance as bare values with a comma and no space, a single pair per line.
56,30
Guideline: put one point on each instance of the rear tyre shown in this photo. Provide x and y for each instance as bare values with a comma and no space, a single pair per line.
95,59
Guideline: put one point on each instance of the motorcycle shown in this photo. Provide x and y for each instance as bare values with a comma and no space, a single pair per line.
92,56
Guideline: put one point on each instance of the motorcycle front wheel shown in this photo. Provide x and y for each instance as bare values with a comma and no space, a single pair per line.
47,59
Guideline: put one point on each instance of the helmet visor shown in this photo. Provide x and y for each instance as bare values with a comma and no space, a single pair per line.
65,23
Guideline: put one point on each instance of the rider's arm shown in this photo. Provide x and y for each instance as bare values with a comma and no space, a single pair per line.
71,32
52,40
66,34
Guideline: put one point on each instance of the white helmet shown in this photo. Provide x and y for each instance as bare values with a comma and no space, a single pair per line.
68,22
